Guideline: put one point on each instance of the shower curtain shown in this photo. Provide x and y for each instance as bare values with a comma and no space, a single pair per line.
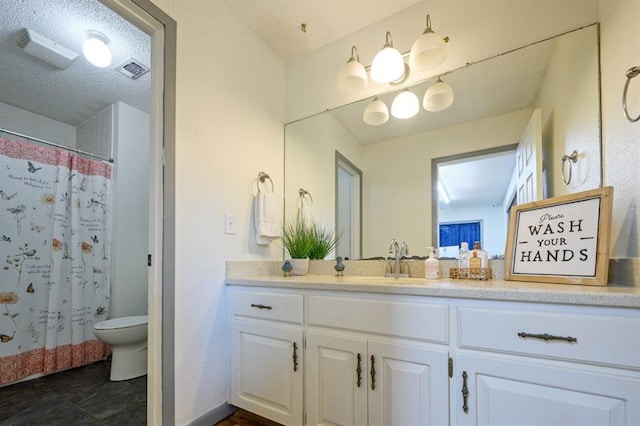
54,251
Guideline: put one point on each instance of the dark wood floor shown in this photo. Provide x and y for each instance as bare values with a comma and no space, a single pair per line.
245,418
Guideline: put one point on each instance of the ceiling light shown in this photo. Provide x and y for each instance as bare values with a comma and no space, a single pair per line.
405,105
428,51
95,49
352,76
439,96
376,113
387,65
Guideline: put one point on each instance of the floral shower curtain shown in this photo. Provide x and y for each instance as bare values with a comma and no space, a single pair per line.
54,250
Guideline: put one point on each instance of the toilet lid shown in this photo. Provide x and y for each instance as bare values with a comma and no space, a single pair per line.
122,322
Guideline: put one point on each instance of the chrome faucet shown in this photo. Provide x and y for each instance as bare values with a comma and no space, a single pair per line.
398,251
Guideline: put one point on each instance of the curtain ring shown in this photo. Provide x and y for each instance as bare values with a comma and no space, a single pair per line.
631,73
573,158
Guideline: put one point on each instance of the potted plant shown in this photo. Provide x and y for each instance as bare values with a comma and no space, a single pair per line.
298,240
324,241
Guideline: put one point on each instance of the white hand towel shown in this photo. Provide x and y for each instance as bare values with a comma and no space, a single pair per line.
266,218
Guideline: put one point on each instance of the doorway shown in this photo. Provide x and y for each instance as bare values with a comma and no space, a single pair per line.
348,208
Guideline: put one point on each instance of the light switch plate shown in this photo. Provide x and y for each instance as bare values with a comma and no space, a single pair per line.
229,223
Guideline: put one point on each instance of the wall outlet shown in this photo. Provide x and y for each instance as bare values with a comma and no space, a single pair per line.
229,223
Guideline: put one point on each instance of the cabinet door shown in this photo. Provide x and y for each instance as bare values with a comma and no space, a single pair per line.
410,385
336,380
266,371
510,391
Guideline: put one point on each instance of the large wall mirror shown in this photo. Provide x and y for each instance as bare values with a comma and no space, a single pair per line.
546,93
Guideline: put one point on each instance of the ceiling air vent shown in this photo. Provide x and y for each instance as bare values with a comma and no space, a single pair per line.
44,49
133,68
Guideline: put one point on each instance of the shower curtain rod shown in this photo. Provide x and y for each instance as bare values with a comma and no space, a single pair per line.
20,135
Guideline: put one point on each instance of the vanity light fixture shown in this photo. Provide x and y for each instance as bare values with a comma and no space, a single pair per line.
428,51
438,97
405,105
95,48
352,76
388,65
376,113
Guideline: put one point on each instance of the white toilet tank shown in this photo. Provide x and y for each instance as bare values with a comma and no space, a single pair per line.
123,322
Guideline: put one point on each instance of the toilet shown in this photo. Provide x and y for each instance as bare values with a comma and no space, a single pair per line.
127,337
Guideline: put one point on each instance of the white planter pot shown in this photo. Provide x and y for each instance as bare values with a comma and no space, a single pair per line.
300,266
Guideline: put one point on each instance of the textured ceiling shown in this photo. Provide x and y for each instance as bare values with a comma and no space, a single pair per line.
278,22
78,92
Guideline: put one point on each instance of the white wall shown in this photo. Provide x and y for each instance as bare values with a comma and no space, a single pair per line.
130,234
569,100
34,125
229,126
310,163
621,139
397,174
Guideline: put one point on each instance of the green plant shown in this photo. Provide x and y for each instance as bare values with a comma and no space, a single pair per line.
298,239
324,241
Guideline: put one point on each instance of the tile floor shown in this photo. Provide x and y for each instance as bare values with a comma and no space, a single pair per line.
80,396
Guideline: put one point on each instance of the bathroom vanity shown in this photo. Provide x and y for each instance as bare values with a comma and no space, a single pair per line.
321,349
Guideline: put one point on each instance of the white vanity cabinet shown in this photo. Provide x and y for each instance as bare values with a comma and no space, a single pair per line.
387,359
266,354
372,360
528,364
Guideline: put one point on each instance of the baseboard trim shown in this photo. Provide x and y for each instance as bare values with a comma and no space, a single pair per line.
214,416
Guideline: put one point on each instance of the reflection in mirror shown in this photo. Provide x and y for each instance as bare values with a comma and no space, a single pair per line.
494,101
348,208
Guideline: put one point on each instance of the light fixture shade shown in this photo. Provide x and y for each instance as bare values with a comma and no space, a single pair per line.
352,77
438,97
376,113
428,51
387,65
95,49
405,105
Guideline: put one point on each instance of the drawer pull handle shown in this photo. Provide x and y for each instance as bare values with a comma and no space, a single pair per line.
546,336
260,306
359,370
465,393
373,373
295,356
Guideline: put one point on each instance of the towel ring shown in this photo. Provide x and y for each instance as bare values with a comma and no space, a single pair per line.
262,176
573,158
631,73
303,192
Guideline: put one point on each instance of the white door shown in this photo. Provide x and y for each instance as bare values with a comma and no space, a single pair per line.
348,208
267,371
336,380
411,385
529,161
521,392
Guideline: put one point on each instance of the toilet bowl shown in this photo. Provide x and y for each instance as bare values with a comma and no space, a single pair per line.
127,337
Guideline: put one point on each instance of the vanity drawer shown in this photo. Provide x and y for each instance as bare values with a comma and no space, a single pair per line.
600,338
399,318
273,306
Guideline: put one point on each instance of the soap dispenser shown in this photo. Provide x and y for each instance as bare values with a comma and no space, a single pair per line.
431,265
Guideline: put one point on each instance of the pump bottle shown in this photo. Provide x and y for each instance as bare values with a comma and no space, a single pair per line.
431,265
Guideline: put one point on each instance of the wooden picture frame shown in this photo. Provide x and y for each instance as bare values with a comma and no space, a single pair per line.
561,240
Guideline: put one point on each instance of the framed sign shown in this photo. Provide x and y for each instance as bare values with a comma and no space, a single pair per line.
561,240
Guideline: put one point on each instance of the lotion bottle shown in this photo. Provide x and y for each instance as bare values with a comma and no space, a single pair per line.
463,255
481,254
431,265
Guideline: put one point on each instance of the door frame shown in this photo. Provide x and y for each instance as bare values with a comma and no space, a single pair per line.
161,278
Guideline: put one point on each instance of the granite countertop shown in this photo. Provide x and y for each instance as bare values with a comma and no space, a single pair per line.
241,274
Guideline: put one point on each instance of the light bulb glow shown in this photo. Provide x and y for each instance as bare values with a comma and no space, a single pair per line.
96,51
387,65
405,105
438,97
376,113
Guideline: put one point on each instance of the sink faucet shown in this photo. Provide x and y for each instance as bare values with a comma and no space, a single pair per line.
398,251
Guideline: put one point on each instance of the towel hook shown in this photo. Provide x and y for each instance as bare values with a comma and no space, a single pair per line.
303,192
262,177
572,158
631,73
